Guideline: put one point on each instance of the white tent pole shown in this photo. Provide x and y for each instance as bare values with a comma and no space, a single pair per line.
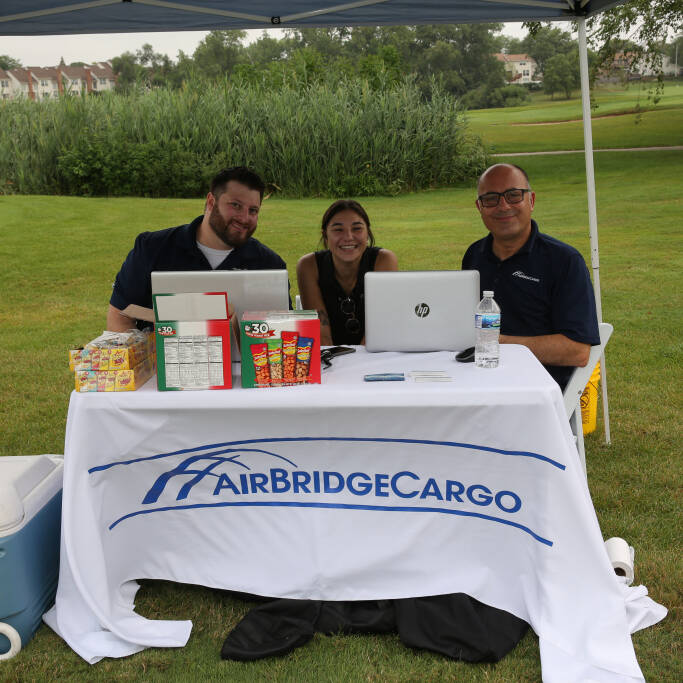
592,211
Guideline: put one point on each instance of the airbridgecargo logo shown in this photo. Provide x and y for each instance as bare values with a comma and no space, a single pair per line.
524,276
238,475
404,484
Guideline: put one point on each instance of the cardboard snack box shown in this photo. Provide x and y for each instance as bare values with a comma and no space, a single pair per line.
114,380
113,351
280,348
193,355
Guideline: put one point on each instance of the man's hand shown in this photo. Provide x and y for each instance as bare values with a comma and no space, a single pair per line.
553,349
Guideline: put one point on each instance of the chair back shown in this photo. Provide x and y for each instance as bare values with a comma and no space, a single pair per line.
580,376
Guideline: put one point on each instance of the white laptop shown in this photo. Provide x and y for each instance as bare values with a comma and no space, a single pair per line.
248,290
428,310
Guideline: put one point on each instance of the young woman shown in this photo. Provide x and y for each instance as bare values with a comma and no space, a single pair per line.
332,281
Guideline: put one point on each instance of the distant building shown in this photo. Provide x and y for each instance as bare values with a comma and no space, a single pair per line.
669,68
5,85
520,68
21,84
46,82
626,66
103,77
41,83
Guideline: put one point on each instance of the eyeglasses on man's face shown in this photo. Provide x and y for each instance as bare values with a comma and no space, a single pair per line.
512,196
348,307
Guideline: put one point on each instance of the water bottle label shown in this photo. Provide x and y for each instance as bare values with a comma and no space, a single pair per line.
487,321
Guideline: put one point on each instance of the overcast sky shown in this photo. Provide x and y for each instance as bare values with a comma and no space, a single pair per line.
48,50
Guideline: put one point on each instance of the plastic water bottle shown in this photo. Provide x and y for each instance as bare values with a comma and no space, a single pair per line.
487,329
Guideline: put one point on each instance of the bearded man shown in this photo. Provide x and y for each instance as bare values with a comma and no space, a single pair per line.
220,239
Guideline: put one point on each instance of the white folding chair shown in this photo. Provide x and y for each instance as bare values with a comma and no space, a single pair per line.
576,385
297,303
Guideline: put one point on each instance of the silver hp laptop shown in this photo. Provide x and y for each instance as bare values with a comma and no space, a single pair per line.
248,290
430,310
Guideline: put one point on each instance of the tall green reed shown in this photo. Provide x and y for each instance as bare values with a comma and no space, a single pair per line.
347,139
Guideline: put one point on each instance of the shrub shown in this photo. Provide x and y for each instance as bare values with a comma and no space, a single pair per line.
484,97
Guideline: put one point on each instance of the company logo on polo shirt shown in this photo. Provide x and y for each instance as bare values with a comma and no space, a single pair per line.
524,276
273,472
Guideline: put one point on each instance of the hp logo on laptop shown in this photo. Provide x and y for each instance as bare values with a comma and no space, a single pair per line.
422,310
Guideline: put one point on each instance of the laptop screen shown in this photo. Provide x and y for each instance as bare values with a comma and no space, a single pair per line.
430,310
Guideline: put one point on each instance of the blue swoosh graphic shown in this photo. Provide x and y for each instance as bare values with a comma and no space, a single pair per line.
229,445
239,451
343,506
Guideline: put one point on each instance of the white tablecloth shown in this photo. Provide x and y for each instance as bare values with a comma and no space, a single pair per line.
348,490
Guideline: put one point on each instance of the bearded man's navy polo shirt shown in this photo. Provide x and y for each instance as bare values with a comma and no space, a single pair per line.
176,249
544,288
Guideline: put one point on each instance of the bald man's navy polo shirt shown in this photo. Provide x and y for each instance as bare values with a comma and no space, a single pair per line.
176,249
544,288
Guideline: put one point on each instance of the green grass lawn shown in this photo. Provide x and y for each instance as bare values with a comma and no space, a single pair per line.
556,124
60,256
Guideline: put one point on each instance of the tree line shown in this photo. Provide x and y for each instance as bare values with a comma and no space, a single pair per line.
461,58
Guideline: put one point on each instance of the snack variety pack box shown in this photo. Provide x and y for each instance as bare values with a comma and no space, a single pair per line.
280,348
193,355
193,341
114,361
114,380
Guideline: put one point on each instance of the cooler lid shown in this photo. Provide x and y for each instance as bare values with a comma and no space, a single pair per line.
19,476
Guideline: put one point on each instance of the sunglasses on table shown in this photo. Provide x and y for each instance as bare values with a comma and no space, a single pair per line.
512,196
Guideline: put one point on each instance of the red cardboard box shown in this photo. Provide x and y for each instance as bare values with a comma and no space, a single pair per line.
280,348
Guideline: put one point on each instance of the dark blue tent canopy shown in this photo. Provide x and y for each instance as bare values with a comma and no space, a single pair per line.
57,17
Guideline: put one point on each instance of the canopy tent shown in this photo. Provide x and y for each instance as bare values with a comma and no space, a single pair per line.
57,17
45,17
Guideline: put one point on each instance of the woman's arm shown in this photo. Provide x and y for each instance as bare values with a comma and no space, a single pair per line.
386,260
311,296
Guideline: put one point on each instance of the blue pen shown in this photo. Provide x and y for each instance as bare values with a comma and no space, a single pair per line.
385,377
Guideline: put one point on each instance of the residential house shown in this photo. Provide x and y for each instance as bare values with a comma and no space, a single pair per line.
669,68
626,66
76,79
21,84
520,68
103,77
5,85
47,82
39,83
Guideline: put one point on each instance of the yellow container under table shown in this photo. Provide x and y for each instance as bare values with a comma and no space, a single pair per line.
589,402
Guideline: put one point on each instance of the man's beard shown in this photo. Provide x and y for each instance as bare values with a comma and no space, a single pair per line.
221,229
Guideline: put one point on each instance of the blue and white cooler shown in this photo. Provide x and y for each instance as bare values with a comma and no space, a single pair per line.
30,518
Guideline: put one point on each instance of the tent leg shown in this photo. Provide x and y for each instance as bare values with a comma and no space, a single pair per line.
592,210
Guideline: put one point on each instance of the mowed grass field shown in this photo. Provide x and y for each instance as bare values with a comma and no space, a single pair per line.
624,117
60,256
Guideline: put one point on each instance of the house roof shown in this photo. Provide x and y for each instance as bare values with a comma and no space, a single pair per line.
20,74
501,57
44,72
102,70
73,72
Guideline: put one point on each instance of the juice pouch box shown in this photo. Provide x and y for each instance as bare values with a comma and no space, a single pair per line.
280,348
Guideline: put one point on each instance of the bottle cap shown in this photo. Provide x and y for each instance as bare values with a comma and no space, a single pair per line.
488,292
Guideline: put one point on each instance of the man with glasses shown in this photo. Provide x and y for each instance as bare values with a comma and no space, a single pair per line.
542,285
219,239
